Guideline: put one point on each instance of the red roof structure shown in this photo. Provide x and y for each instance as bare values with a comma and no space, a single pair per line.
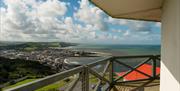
146,68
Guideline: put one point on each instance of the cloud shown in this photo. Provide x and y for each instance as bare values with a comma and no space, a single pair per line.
140,26
127,33
31,19
117,21
133,25
49,20
158,24
45,20
51,8
91,15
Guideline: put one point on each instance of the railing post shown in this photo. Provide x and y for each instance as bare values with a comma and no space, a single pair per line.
111,79
153,66
141,89
111,71
85,79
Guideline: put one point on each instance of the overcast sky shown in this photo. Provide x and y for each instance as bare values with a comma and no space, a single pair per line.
70,21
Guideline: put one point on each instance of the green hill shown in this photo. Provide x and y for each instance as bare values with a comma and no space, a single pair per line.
29,46
16,68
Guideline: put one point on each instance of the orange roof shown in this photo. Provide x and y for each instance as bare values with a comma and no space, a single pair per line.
146,68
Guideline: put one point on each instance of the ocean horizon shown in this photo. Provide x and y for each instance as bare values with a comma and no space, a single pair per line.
118,50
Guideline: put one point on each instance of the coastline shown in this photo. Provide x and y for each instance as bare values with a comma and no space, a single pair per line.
103,51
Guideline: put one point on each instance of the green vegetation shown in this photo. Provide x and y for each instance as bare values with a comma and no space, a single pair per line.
93,79
11,69
55,44
64,83
31,46
54,87
20,83
51,87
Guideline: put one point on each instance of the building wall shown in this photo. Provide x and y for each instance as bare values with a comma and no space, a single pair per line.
170,65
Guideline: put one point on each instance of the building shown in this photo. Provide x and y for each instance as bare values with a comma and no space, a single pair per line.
168,13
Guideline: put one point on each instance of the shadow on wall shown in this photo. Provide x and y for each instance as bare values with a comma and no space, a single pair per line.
172,69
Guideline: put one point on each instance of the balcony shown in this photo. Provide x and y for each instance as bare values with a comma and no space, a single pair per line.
131,75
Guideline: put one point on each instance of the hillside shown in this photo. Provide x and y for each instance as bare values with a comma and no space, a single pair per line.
16,68
28,46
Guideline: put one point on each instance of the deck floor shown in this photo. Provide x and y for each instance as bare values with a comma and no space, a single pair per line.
146,85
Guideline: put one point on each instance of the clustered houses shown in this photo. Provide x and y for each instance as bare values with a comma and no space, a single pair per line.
51,57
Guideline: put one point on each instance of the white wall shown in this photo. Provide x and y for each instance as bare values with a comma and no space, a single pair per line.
170,65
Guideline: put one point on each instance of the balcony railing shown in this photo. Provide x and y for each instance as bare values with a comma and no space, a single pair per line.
106,77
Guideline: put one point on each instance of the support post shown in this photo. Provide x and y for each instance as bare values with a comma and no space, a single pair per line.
154,67
111,79
85,79
141,89
111,71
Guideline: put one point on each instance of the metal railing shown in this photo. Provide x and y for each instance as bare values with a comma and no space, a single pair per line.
83,72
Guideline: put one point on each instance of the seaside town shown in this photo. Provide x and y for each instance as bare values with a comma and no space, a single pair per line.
52,57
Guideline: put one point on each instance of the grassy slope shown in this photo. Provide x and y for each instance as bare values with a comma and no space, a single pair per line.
51,87
30,46
54,86
19,83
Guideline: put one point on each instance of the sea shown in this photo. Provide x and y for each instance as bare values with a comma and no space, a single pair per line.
118,50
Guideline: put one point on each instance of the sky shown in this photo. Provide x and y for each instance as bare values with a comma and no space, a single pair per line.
77,21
